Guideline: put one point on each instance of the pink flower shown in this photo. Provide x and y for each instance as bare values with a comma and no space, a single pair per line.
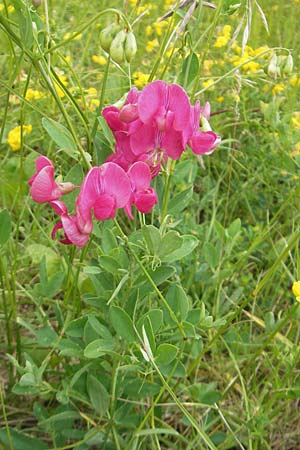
43,186
70,224
202,141
104,189
158,123
142,196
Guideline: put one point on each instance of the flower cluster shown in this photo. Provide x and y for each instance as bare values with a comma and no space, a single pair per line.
151,126
156,123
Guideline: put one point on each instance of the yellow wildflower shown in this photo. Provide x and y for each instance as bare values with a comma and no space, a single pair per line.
68,59
223,37
10,8
93,104
99,60
92,92
207,83
140,79
296,119
159,27
58,89
14,136
220,99
148,30
70,35
207,65
296,290
295,81
33,94
279,87
151,45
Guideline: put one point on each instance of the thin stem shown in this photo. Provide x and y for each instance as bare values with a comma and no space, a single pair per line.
106,70
170,171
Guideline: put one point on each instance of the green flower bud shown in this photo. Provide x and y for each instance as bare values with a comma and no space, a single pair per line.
107,35
130,46
117,48
288,65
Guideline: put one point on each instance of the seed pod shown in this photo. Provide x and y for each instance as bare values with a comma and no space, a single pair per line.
107,35
36,3
117,50
130,46
288,65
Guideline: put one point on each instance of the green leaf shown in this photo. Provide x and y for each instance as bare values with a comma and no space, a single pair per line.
205,393
152,238
5,226
76,327
100,329
69,348
189,243
169,244
122,323
109,264
234,228
190,68
210,255
46,336
99,347
179,303
180,201
98,394
60,135
166,353
21,441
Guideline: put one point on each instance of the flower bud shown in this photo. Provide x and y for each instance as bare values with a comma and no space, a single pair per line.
288,65
107,35
273,67
128,113
117,51
130,46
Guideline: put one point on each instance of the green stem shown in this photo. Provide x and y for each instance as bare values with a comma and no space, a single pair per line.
95,126
170,171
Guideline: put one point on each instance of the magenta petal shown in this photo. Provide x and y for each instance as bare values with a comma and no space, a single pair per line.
105,207
203,142
41,162
179,103
43,188
89,190
145,200
143,139
152,97
140,176
59,207
72,231
116,183
128,210
132,96
172,143
58,226
111,115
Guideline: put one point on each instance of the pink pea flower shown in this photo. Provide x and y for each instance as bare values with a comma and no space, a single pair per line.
70,224
202,141
142,195
104,189
43,186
